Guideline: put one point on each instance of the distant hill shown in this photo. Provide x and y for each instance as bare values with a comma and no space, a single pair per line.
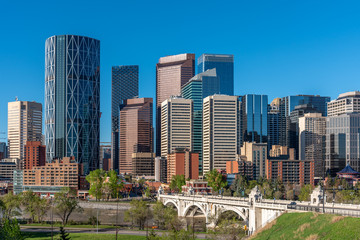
310,226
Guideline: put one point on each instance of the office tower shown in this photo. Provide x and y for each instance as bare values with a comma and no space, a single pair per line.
196,89
342,133
105,156
172,72
183,162
7,167
3,150
312,130
143,164
72,99
273,123
345,103
293,125
124,85
34,154
254,112
220,131
256,153
160,169
224,65
136,131
288,104
24,124
176,124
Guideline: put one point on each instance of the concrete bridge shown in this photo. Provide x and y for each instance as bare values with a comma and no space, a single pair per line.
255,211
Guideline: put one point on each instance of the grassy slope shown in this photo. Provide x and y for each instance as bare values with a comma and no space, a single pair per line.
88,236
311,226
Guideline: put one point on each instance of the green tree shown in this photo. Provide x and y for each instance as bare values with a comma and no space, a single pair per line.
65,204
139,213
96,180
10,230
305,192
177,181
28,201
115,183
11,205
63,234
216,180
239,186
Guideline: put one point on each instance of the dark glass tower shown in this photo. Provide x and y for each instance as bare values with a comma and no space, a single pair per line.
254,111
124,85
197,88
72,99
224,64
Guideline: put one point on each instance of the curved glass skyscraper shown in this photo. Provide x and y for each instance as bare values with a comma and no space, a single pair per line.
72,99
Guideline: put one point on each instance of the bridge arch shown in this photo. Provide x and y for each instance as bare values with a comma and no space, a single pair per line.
169,201
186,210
238,211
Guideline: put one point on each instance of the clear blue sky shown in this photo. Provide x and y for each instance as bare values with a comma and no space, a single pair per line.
281,47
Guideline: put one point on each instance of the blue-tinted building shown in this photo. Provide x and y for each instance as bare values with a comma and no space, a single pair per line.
197,88
124,85
72,99
224,64
254,115
288,104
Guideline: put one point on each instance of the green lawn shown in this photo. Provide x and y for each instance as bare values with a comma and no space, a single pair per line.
310,226
87,236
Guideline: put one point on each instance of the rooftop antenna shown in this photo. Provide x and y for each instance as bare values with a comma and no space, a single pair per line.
16,98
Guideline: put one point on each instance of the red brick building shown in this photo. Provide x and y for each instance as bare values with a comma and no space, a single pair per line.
34,154
291,171
183,162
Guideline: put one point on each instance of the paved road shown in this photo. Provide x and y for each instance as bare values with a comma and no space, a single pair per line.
94,231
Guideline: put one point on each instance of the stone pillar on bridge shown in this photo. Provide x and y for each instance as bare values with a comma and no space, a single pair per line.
316,197
255,216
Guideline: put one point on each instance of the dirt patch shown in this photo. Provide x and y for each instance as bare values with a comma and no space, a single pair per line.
312,237
337,218
302,228
315,215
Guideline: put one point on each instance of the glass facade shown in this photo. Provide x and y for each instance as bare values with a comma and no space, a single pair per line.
72,99
199,87
224,64
254,118
288,104
124,85
342,142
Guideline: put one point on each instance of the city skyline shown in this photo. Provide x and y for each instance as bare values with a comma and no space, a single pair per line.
321,49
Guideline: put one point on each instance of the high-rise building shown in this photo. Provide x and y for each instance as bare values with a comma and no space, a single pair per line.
220,131
72,99
342,133
160,169
34,154
124,85
24,124
105,156
312,130
254,112
176,125
288,104
273,123
3,150
197,88
224,65
143,164
293,125
172,72
256,153
348,102
136,131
